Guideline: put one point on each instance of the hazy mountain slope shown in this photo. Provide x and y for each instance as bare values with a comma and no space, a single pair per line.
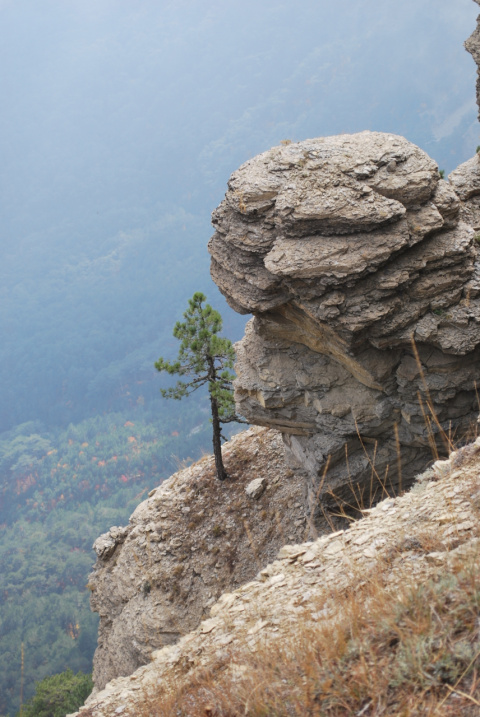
119,127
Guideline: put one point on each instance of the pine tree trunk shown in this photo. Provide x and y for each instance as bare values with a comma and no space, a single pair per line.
217,441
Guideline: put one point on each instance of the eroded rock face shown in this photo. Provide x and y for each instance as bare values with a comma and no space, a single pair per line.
345,249
473,47
394,541
194,538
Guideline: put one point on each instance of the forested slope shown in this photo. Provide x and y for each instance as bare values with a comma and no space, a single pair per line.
58,491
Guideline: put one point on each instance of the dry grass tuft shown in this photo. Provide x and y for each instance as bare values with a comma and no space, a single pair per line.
415,652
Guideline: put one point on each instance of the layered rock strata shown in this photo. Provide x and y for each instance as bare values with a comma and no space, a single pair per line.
355,259
194,538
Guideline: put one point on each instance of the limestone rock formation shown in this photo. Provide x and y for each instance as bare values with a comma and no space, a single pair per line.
194,538
466,182
346,249
473,47
401,538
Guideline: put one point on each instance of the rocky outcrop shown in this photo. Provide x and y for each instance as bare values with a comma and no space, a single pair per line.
402,539
362,274
360,266
194,538
473,47
466,182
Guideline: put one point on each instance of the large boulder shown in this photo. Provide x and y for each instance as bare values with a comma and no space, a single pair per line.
355,259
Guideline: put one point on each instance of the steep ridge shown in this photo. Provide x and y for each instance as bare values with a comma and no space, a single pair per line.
192,539
355,258
429,526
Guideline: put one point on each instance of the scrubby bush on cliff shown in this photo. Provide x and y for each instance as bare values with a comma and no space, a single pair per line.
58,695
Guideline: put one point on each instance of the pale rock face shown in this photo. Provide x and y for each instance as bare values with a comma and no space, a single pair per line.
255,488
389,545
344,249
194,538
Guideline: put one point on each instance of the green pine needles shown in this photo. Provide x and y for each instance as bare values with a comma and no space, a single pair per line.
208,360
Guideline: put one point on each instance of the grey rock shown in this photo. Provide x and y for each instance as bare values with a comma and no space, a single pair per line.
465,180
302,586
105,545
255,488
191,540
473,47
345,249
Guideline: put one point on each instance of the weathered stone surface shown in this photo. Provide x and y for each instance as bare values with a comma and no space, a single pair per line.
194,538
466,181
105,545
466,178
345,249
473,47
392,543
255,488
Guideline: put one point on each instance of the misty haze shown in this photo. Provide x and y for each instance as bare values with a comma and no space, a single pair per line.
120,125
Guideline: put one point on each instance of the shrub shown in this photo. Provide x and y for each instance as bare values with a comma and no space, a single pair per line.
58,695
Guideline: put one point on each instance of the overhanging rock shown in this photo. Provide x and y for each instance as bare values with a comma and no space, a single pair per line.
359,264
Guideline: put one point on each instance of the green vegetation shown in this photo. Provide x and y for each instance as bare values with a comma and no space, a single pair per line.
59,490
58,695
208,359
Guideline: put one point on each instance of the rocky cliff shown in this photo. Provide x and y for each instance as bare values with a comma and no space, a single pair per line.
360,266
473,47
428,534
193,539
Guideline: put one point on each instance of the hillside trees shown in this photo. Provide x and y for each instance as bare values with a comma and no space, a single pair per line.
58,695
59,490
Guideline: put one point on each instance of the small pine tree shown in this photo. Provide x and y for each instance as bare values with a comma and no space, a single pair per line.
208,359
